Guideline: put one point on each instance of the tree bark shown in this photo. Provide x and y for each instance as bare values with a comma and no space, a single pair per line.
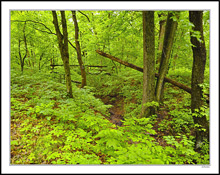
149,63
19,49
20,57
63,47
161,37
170,30
78,49
199,61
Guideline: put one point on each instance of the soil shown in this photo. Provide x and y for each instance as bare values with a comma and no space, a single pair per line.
117,109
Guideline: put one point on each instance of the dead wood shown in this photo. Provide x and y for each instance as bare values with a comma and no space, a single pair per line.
173,82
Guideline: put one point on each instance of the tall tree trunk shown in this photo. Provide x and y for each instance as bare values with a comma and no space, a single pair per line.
78,49
20,57
171,27
19,49
199,61
161,37
149,63
29,58
63,47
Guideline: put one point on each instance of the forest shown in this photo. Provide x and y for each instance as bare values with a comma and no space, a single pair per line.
109,87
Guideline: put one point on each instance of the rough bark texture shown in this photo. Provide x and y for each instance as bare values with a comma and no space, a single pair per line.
149,63
170,30
63,47
199,61
78,49
161,37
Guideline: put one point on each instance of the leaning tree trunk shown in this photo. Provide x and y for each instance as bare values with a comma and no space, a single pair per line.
161,36
199,61
173,82
170,30
63,47
149,63
78,49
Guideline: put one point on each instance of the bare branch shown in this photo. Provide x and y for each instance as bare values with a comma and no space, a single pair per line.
84,15
72,45
45,31
49,31
34,22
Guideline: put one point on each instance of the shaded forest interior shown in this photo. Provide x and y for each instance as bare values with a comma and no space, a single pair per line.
109,87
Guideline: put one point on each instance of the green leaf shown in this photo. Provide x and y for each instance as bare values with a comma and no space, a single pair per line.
157,161
112,143
14,142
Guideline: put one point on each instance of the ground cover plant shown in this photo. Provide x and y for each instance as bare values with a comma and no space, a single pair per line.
85,94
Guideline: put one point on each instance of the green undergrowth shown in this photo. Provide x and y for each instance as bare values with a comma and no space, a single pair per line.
49,128
123,83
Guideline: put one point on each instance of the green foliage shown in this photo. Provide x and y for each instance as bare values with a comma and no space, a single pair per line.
47,127
182,75
151,104
57,130
201,112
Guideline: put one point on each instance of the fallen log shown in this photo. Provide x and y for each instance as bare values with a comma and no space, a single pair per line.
78,82
54,65
120,61
173,82
97,73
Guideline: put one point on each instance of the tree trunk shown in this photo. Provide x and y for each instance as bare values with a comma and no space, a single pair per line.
63,47
20,57
199,61
19,49
149,63
161,37
78,49
170,30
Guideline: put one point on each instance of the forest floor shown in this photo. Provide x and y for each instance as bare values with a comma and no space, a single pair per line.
43,120
117,112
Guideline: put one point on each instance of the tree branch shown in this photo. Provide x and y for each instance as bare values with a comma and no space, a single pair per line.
44,31
72,45
33,22
84,15
48,32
